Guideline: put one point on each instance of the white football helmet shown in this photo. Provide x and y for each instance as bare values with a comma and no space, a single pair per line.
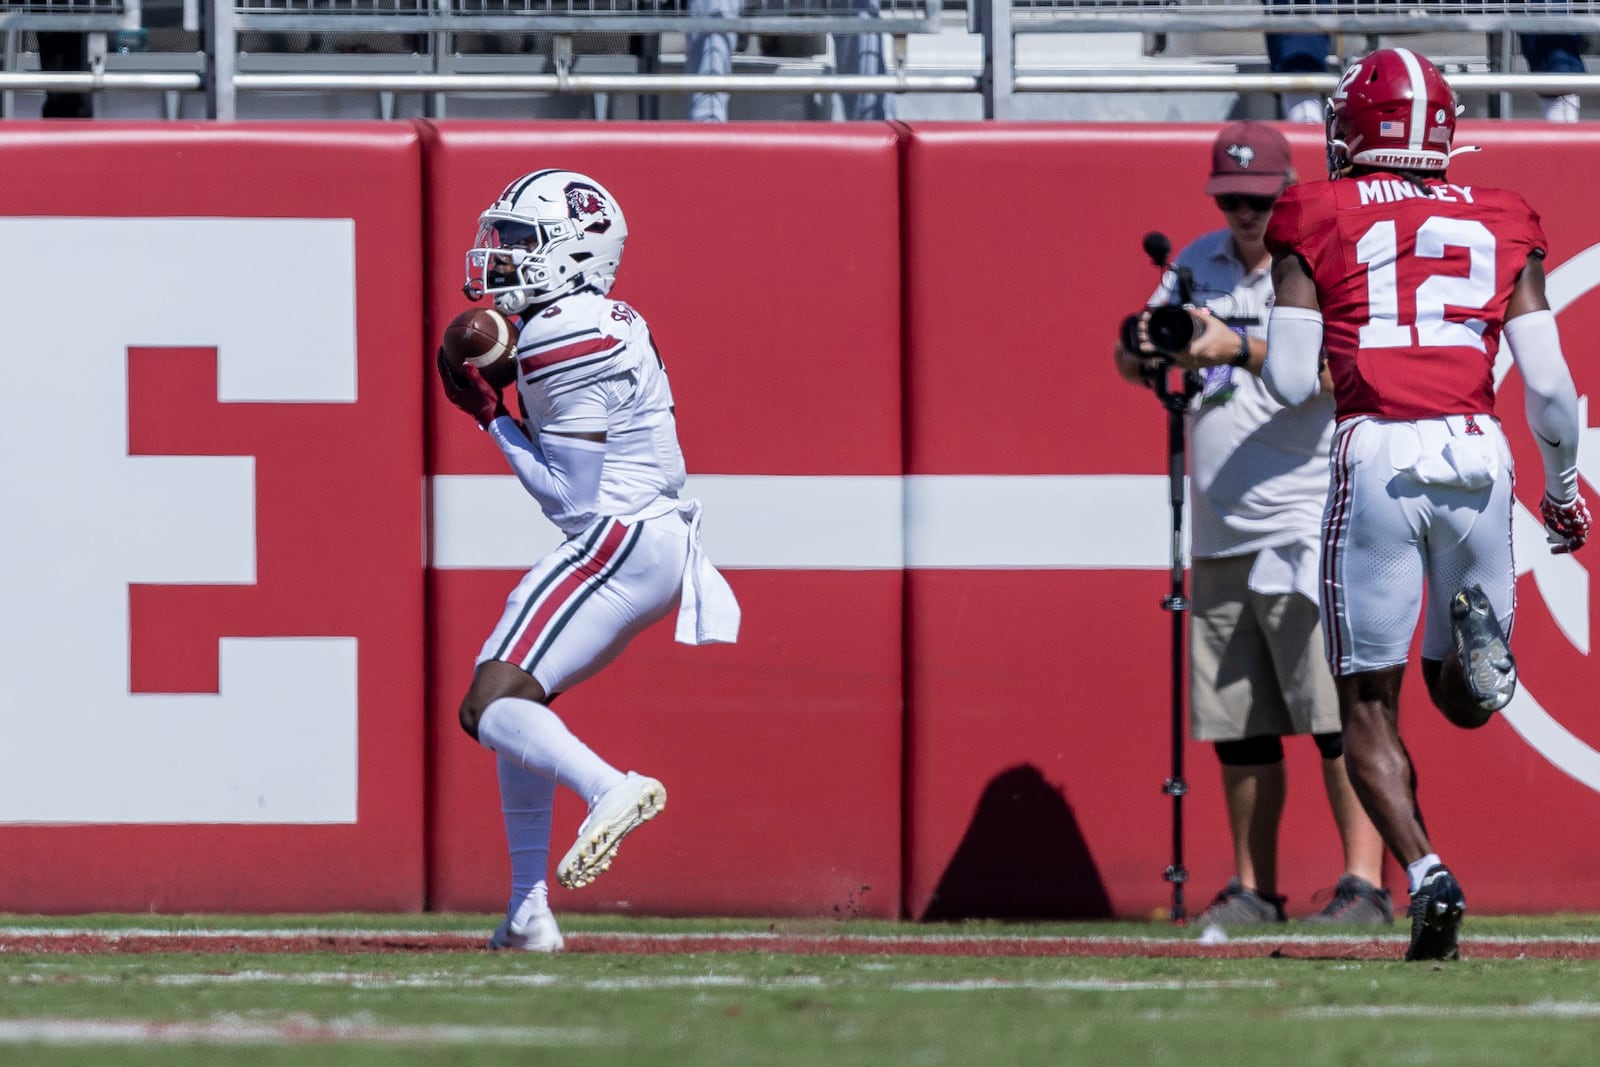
551,232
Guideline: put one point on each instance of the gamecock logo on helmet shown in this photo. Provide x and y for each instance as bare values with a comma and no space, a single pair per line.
588,208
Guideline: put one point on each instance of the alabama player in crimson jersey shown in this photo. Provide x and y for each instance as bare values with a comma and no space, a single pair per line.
599,451
1410,283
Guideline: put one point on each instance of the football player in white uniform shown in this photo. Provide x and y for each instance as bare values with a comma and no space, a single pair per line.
597,447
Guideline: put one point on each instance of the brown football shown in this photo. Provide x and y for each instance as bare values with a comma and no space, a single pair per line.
486,338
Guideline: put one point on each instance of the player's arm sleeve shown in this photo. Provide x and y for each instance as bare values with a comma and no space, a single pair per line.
559,470
1294,352
1550,397
562,473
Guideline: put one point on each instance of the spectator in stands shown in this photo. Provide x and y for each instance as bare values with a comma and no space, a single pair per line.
65,51
710,53
1555,53
854,53
1258,474
1307,53
1298,53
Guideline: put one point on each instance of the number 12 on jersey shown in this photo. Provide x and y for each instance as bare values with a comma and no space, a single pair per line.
1379,251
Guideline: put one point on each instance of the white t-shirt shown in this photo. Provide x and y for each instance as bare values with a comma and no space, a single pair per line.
1258,472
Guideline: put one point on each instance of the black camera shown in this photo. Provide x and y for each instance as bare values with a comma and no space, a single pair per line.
1171,327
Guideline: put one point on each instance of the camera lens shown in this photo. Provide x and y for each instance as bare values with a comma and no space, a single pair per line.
1171,329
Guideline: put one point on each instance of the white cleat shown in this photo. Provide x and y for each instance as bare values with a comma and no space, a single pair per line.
620,810
540,935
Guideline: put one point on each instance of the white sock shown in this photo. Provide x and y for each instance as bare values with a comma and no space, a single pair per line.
1565,108
526,800
1415,871
1303,107
534,737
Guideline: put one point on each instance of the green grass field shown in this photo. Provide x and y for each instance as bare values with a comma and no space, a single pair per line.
414,989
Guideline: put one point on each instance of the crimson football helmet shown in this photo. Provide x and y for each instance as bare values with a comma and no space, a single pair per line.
550,233
1393,110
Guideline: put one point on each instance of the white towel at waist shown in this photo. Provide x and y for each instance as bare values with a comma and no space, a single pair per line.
1458,451
708,612
1291,568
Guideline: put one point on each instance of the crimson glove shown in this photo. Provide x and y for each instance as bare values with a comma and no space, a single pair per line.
1566,525
466,388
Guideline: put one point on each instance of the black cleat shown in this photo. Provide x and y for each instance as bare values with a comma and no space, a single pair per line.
1486,661
1436,910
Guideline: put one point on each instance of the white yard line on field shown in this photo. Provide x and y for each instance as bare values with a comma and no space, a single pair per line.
1085,985
1555,1009
434,980
233,1031
219,932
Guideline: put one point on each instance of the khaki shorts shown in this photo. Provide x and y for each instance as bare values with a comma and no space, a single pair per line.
1256,663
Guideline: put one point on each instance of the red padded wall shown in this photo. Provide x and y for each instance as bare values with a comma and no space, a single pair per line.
765,259
1513,825
1000,751
337,516
1047,699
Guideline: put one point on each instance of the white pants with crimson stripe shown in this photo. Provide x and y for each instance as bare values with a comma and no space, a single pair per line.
1392,528
577,608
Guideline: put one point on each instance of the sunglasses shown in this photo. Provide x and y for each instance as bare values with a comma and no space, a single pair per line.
1234,201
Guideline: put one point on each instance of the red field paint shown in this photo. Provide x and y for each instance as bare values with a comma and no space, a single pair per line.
1372,948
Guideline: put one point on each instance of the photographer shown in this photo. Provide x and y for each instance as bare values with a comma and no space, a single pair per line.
1258,481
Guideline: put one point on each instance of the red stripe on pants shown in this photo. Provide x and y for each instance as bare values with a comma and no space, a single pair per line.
582,571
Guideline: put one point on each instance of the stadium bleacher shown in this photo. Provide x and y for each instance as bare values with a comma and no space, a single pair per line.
1120,60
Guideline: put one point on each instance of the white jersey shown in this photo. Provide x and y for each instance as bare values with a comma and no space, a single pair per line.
586,364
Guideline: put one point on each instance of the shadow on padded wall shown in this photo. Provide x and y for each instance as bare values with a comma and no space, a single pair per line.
1022,857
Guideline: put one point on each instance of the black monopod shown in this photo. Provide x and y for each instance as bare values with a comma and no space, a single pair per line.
1176,387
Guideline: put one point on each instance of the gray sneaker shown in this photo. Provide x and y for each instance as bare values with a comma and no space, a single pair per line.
1486,660
1356,902
1238,906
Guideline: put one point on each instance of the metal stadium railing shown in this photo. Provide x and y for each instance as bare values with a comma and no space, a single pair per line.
1000,23
997,77
571,16
562,19
87,16
1332,16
